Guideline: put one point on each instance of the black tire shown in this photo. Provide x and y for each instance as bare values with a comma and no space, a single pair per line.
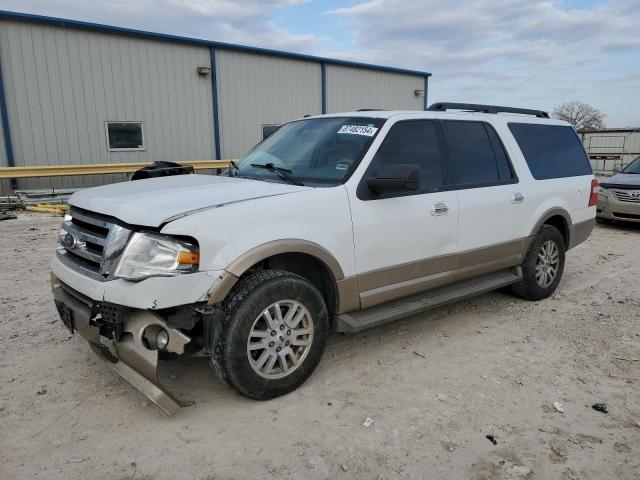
603,221
245,303
529,288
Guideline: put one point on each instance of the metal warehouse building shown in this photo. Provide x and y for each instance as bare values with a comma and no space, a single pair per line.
611,147
81,93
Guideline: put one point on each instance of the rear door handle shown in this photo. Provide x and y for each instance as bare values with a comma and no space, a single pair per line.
517,198
439,208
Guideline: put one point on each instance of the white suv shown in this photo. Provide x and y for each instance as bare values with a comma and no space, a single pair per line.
335,222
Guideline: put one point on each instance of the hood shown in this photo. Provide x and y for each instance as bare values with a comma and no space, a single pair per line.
155,201
622,180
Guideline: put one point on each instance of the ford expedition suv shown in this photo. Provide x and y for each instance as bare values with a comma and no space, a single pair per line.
336,222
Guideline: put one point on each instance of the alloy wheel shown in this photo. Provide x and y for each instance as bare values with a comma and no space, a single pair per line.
280,339
547,263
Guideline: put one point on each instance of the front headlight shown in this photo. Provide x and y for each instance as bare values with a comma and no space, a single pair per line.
151,255
603,192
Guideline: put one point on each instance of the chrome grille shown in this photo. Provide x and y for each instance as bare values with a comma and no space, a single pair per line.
631,196
91,244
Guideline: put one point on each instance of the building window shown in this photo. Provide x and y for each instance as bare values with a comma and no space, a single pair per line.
267,130
125,136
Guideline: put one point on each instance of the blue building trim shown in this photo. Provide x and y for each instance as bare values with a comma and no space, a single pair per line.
323,72
426,91
27,17
6,131
214,101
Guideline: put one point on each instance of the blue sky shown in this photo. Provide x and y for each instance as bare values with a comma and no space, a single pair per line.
514,52
312,16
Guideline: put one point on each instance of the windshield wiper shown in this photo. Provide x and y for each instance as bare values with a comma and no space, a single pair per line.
283,173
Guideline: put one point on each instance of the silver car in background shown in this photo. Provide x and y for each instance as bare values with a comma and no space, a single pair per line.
619,196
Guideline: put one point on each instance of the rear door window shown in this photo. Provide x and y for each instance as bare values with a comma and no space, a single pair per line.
476,154
551,151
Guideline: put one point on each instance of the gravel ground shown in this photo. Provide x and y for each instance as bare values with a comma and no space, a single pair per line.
435,386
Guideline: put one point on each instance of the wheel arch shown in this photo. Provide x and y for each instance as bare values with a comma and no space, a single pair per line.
559,218
302,257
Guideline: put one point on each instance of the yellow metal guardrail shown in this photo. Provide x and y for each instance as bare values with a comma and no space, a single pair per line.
96,169
48,208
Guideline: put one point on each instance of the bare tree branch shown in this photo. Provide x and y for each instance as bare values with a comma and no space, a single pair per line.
580,115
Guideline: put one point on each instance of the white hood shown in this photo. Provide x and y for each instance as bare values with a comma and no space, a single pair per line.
155,201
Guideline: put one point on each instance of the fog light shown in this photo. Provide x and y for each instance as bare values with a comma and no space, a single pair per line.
162,340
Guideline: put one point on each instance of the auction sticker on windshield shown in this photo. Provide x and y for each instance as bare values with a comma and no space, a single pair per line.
368,131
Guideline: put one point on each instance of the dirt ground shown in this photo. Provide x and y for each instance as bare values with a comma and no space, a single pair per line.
435,386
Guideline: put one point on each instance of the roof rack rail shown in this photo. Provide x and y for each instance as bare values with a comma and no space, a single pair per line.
444,106
370,110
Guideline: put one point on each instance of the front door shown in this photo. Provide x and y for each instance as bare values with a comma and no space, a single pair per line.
404,241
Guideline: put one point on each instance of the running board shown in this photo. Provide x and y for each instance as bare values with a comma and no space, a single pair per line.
404,307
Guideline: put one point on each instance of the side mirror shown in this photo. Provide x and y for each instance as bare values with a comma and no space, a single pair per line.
401,177
617,168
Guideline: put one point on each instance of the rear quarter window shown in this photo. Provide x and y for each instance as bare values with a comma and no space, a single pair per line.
551,151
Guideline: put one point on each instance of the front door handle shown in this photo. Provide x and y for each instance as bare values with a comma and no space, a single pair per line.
517,198
439,208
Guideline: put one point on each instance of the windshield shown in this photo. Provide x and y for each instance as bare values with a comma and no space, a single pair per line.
317,150
633,167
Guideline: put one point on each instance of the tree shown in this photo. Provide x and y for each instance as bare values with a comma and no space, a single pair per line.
581,115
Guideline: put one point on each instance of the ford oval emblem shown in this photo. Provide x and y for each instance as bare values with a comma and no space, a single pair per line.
70,241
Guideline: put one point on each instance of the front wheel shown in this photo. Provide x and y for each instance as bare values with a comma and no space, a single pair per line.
273,335
543,265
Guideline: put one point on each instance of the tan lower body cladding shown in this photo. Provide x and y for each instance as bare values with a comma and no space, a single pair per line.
579,232
386,284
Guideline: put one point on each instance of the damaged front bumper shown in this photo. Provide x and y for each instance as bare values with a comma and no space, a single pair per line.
127,342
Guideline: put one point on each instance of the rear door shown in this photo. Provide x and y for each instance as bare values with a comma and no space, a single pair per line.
493,206
403,240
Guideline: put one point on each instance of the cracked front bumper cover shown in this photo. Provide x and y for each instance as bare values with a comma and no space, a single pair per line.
127,351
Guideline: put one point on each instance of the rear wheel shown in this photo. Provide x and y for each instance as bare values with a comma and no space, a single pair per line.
543,265
273,335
